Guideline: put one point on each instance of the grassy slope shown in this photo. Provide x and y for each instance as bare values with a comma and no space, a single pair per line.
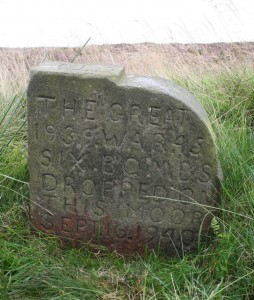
37,267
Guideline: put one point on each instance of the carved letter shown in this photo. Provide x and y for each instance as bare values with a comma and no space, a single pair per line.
116,112
69,184
162,170
50,132
205,173
90,109
66,224
137,141
136,114
145,190
120,231
46,221
185,172
131,166
159,191
108,188
177,216
68,136
81,225
88,188
69,107
196,147
44,101
70,206
169,120
46,158
187,196
108,165
187,237
49,182
197,218
159,144
154,115
100,211
137,210
157,214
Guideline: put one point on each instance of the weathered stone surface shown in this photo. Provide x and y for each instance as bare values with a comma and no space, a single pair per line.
123,161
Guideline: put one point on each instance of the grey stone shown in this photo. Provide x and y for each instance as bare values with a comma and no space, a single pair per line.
118,160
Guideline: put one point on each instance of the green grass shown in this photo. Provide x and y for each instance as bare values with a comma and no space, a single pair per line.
38,267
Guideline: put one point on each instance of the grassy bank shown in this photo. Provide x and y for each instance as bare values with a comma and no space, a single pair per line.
38,267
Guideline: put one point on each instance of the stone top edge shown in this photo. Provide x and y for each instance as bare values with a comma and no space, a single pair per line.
111,72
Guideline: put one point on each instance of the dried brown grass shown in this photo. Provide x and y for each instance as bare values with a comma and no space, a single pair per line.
146,59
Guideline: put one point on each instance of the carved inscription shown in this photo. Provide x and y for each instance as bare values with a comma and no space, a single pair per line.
44,105
127,168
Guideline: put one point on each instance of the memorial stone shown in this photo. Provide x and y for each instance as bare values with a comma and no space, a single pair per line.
123,161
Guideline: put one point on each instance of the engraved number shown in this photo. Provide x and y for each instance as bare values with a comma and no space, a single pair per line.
51,132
